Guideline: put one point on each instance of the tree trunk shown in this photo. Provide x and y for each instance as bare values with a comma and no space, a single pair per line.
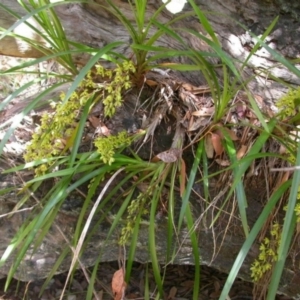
97,27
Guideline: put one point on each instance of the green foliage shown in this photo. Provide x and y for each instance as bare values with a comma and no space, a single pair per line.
135,209
57,131
60,134
49,140
289,103
268,254
107,146
120,81
288,106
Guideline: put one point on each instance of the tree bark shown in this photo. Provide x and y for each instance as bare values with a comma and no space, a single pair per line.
96,27
218,245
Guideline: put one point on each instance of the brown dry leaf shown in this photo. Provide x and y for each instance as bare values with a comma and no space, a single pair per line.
222,162
143,186
209,148
102,130
172,293
242,152
260,101
231,134
252,116
217,144
241,109
182,178
188,283
118,285
188,87
168,156
196,123
196,90
95,122
204,112
217,285
151,82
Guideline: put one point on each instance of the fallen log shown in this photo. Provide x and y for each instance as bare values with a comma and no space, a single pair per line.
216,249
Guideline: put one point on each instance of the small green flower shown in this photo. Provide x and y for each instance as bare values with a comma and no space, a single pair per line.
268,254
107,146
135,208
289,103
48,142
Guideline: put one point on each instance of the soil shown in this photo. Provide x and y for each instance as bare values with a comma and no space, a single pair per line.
178,285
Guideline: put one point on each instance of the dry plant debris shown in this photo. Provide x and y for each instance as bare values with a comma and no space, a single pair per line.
118,285
178,285
193,109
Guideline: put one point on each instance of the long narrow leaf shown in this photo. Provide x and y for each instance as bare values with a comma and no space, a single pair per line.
287,231
251,238
190,183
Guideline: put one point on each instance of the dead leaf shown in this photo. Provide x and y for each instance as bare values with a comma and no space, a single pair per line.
168,156
241,152
241,109
187,283
209,148
196,123
196,90
204,112
222,162
217,143
94,121
172,293
118,285
143,187
182,177
151,82
102,130
231,134
188,87
217,285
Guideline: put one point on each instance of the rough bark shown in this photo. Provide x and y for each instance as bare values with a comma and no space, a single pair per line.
96,27
218,246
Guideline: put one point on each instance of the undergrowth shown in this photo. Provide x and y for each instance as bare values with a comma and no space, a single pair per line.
138,190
